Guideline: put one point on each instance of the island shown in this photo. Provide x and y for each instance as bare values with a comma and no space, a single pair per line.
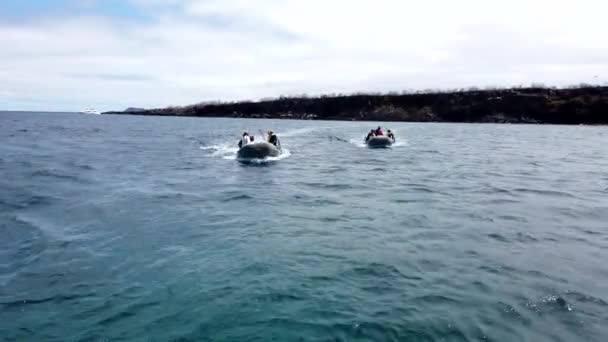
583,104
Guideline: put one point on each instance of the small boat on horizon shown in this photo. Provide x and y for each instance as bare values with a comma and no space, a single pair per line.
91,111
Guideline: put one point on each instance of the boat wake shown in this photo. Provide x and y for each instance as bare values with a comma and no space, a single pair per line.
222,150
357,142
400,143
301,131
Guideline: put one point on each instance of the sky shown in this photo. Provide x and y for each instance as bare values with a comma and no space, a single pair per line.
68,55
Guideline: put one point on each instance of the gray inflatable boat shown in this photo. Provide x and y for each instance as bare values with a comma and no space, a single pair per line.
258,150
379,142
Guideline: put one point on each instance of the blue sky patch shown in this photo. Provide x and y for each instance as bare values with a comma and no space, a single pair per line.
20,9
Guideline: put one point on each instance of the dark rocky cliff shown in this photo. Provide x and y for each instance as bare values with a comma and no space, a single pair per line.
583,105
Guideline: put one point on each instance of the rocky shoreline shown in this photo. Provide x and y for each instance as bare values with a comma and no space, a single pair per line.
581,105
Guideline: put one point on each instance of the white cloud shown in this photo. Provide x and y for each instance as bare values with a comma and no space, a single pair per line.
192,51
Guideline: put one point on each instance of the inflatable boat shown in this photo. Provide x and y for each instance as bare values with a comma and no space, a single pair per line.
379,142
258,150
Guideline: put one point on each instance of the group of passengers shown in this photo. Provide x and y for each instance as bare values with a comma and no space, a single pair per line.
378,132
272,138
249,139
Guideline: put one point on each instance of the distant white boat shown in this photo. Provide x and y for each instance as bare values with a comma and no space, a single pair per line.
91,111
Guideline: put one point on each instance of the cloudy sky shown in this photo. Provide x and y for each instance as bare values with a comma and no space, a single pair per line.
111,54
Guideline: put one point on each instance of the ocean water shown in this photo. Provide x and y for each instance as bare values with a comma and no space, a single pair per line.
126,228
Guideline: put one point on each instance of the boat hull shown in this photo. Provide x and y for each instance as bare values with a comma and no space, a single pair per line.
379,142
259,150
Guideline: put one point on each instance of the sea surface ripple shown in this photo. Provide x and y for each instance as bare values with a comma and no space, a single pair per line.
127,228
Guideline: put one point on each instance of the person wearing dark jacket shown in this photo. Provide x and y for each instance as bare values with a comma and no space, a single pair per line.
272,138
245,140
390,135
370,135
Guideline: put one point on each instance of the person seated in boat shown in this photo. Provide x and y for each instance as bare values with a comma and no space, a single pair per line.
272,138
370,135
244,140
379,131
390,135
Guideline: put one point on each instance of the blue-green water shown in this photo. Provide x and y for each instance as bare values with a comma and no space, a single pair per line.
124,228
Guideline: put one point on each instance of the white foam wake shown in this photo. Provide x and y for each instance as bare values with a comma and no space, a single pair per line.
299,131
357,142
220,150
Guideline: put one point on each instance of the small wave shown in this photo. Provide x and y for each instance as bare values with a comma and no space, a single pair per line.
502,201
525,238
380,271
329,219
325,202
256,269
54,174
422,189
23,201
429,151
55,299
436,299
176,196
498,237
481,286
489,269
322,278
491,190
553,193
584,298
326,186
23,240
278,297
416,200
511,312
334,170
542,275
130,311
237,198
84,166
333,137
591,232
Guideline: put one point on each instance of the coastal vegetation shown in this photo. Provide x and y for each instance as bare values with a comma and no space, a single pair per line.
583,104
